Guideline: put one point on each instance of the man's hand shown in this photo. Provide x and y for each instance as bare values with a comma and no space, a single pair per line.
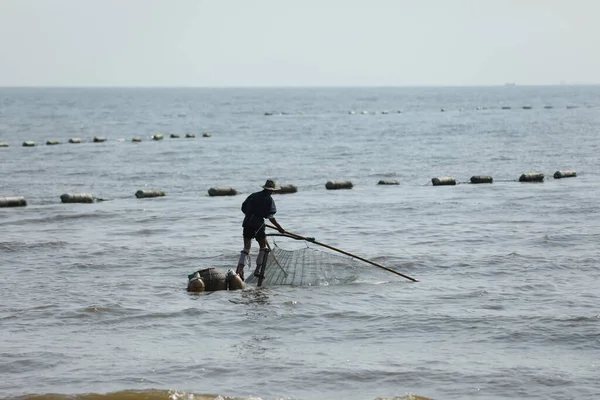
280,229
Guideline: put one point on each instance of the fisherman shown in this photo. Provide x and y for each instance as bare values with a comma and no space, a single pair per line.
256,208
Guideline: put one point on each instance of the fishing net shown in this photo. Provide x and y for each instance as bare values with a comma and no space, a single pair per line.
307,266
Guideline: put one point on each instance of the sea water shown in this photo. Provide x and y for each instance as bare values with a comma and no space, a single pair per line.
93,299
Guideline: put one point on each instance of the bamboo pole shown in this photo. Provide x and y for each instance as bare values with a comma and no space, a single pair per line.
312,240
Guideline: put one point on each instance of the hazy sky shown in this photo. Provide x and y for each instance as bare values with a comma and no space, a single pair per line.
298,43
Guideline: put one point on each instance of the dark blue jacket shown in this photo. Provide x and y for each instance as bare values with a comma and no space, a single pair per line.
257,207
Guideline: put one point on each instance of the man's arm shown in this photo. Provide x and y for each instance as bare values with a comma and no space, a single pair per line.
274,222
271,216
245,205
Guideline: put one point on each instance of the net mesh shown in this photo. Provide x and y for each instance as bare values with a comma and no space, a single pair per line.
307,267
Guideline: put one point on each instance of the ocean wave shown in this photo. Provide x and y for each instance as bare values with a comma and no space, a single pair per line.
58,218
156,394
20,246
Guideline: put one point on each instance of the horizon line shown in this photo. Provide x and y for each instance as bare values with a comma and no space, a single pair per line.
508,85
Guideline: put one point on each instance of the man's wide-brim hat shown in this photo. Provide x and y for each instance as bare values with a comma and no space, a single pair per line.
270,185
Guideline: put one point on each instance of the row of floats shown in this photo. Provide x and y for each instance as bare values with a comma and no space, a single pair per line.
366,112
526,177
19,201
102,139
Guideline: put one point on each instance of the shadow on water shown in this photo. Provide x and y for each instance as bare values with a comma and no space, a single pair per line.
259,296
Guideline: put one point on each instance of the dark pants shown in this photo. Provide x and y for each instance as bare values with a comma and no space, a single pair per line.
253,233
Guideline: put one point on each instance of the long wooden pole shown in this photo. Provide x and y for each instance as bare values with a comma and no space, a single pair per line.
312,240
